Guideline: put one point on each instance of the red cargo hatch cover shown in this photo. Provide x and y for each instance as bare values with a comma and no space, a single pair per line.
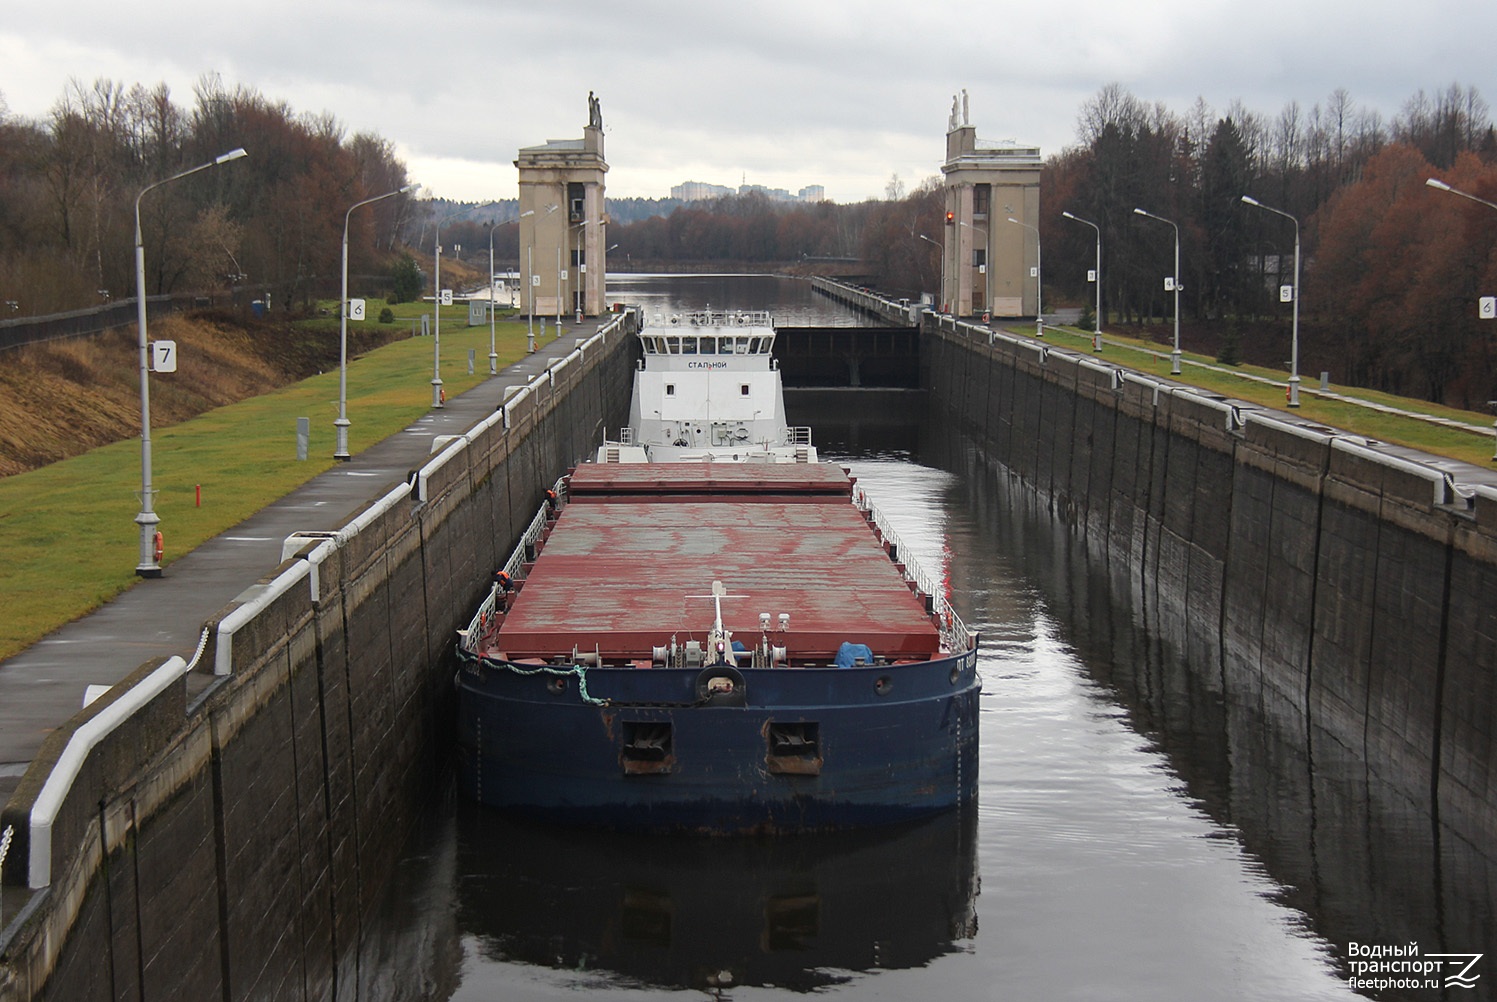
631,562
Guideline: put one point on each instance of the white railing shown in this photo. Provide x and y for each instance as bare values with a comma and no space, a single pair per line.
515,565
75,753
717,318
953,631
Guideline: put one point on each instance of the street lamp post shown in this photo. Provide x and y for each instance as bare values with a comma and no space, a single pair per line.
340,451
148,520
1442,186
529,281
493,306
1097,337
437,397
534,282
986,240
1039,319
1175,283
942,248
581,293
1294,326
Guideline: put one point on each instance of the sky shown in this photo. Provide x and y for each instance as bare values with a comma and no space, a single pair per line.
770,92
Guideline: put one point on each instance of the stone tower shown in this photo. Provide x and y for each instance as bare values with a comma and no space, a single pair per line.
563,226
988,260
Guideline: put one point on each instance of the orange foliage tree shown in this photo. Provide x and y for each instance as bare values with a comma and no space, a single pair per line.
1397,274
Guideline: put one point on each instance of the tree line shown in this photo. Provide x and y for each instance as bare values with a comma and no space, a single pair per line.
1392,269
69,184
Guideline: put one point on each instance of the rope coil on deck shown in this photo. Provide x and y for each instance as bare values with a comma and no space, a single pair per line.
578,670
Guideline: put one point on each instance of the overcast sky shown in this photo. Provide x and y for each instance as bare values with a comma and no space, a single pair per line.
783,94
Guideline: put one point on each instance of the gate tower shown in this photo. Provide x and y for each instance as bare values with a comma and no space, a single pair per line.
987,259
563,235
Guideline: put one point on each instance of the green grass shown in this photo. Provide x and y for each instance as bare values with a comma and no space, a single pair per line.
1467,446
68,529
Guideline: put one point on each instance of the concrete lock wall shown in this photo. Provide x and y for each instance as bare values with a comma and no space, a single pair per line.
1342,592
232,845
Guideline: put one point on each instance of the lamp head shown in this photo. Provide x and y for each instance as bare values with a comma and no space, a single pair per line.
1437,183
231,155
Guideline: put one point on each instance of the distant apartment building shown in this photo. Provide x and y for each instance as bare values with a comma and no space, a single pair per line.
695,191
692,191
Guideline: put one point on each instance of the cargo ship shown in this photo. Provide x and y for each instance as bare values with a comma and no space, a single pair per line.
708,630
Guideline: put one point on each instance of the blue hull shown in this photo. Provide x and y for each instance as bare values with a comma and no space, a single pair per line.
804,749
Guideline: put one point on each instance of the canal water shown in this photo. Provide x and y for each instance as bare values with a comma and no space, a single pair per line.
1136,836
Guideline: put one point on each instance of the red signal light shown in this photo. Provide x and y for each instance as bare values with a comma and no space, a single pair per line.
950,218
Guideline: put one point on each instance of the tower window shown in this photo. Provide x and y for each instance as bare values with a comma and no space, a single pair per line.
981,198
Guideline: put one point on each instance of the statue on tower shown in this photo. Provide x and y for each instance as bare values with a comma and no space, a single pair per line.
958,117
594,112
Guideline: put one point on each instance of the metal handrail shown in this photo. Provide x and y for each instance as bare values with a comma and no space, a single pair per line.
954,633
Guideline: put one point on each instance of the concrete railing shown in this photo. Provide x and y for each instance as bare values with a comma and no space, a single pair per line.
323,614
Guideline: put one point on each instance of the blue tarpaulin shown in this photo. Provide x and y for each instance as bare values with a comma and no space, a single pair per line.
848,654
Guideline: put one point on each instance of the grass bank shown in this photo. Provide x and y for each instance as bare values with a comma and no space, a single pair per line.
68,529
1474,446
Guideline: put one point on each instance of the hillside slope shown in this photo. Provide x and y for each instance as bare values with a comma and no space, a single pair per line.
63,398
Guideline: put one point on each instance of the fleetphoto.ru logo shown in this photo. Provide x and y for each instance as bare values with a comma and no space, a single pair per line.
1380,966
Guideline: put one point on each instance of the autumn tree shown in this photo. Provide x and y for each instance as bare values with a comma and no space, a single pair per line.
1397,275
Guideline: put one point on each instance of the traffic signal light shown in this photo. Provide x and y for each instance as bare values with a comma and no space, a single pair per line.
950,218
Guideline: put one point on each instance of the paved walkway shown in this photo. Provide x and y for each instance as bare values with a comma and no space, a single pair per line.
43,686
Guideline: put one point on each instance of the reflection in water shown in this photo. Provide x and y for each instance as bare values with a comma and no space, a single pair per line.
793,304
1360,864
678,912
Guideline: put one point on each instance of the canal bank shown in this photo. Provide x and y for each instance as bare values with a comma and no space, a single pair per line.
1337,585
220,826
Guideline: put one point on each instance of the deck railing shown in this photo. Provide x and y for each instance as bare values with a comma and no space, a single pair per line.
954,634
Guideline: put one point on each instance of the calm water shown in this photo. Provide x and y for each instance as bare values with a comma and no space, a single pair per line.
1136,835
